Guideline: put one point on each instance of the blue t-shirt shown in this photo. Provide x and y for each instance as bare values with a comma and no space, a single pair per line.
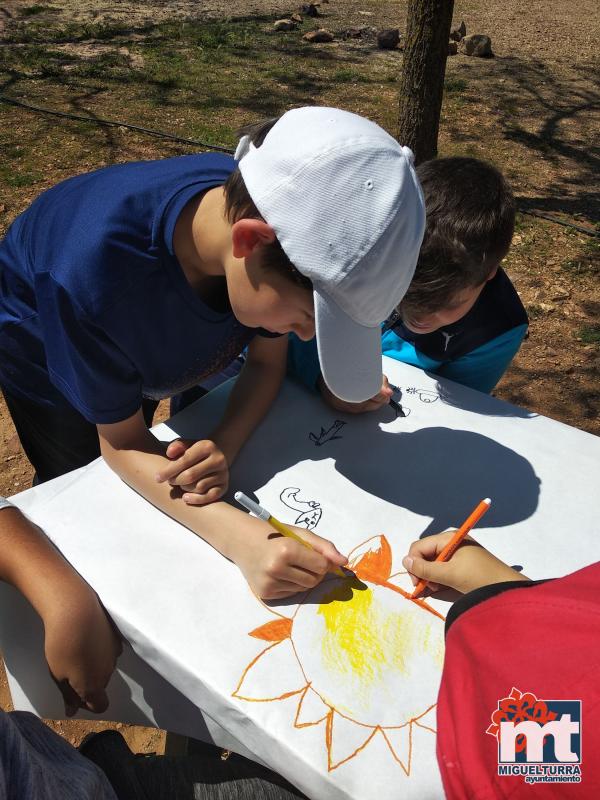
94,307
36,763
474,351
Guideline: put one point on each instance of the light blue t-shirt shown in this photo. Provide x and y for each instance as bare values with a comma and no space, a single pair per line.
475,351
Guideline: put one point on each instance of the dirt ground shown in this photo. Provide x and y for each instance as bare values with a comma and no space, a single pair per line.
533,110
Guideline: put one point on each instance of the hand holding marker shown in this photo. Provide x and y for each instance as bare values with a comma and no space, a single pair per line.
262,513
448,551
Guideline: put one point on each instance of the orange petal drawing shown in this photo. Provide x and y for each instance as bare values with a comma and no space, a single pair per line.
422,603
372,560
311,710
428,719
348,643
276,668
275,631
345,739
399,740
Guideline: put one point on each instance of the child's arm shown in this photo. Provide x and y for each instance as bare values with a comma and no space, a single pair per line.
253,394
471,566
273,566
81,645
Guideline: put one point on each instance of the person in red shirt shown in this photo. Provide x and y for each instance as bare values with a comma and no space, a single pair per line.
508,638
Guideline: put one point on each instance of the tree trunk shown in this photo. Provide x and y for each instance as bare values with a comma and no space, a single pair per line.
422,82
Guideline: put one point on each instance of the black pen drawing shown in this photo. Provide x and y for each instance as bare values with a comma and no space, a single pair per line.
400,410
310,510
328,435
424,395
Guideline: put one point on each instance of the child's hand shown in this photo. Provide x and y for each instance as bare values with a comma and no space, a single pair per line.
276,566
471,566
381,399
199,469
81,647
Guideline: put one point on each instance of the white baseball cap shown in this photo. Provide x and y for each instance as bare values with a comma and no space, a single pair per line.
346,206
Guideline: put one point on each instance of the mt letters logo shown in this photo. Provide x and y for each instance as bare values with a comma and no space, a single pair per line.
538,739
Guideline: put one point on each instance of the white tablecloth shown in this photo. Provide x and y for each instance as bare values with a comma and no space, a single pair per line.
320,694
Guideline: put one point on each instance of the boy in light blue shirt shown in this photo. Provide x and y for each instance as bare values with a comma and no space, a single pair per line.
461,318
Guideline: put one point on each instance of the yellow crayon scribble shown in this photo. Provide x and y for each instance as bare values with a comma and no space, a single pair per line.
363,637
369,660
432,644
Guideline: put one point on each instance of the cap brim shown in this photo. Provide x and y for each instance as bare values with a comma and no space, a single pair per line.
349,353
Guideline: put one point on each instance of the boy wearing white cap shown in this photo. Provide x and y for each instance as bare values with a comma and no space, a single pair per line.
132,283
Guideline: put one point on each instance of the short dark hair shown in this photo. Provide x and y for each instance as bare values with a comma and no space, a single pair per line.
239,205
470,212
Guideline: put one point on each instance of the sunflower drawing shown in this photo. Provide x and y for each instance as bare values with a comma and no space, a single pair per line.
363,659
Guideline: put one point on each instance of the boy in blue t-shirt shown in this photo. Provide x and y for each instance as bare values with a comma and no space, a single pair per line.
132,283
461,317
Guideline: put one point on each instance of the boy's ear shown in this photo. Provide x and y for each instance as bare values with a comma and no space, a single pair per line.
248,233
492,274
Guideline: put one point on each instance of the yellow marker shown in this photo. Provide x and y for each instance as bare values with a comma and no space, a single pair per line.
263,514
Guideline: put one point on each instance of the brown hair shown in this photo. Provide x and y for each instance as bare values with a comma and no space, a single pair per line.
470,212
239,205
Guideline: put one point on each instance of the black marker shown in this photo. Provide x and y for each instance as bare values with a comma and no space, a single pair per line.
397,408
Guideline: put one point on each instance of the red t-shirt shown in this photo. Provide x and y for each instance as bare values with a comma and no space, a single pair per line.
543,640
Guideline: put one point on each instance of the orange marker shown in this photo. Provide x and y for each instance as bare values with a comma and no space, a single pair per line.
448,551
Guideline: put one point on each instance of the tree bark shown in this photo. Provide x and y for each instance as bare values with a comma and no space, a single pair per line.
422,81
